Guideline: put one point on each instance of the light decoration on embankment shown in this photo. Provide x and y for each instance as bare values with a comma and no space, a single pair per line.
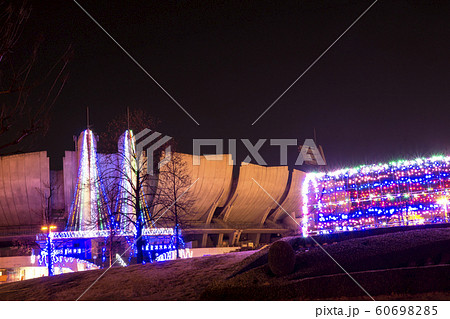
401,193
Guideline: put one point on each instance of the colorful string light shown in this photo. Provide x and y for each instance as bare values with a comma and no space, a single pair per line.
127,180
106,233
88,218
396,194
89,209
129,169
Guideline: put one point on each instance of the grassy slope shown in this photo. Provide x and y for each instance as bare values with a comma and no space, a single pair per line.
189,279
173,280
392,250
369,259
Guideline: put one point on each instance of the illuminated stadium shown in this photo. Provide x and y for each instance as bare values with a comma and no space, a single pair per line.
227,209
94,220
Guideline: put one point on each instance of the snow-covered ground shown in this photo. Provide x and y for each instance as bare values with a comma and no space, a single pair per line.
183,279
388,265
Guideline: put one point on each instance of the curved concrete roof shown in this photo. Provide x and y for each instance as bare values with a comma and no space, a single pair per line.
250,203
24,179
214,184
292,203
212,189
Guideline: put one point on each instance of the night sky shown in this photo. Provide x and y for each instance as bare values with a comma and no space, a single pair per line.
381,93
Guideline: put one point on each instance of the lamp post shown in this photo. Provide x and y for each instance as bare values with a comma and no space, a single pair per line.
49,229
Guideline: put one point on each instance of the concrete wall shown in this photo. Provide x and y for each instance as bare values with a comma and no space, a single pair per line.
16,261
292,203
213,186
250,202
199,252
24,177
24,183
57,182
70,172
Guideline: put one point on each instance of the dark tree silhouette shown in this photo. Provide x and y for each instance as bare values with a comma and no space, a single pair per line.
144,199
135,119
171,202
126,174
27,94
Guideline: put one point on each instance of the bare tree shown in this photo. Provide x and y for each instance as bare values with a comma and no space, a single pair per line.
135,119
129,181
171,202
104,216
107,222
27,95
147,200
24,246
144,200
127,174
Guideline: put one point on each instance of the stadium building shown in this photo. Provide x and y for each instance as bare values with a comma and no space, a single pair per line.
246,206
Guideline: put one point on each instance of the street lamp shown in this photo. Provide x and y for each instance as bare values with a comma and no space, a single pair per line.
49,229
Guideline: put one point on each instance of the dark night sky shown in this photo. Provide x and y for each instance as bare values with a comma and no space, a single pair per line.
381,93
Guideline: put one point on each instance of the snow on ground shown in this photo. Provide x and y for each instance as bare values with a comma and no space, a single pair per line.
187,279
183,279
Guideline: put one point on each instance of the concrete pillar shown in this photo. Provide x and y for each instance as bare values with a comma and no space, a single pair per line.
234,237
204,241
220,240
255,238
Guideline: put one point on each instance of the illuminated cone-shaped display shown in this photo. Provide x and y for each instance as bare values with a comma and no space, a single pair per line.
127,181
89,210
130,167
